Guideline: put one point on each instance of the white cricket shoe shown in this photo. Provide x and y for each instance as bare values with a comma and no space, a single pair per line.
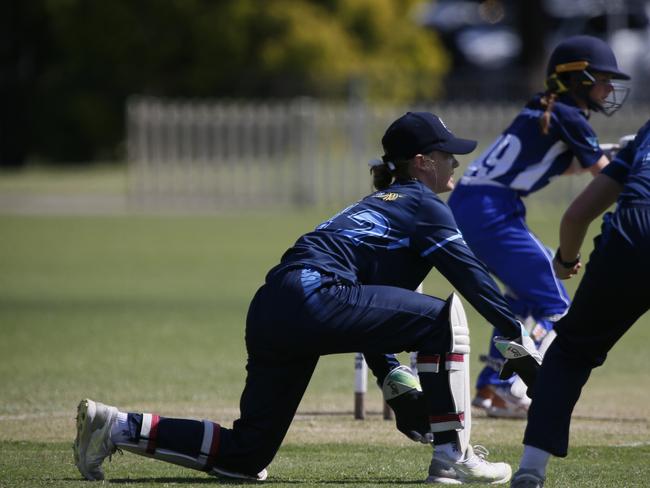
483,398
93,443
505,404
527,478
472,468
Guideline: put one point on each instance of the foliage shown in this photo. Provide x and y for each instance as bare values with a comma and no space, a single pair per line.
87,57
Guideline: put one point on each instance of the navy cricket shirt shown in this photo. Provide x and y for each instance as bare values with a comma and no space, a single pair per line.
394,237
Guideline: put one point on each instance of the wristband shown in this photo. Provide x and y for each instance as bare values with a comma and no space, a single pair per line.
566,264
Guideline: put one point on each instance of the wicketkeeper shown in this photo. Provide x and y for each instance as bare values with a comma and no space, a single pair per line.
349,286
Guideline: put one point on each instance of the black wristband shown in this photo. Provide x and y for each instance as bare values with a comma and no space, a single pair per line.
566,264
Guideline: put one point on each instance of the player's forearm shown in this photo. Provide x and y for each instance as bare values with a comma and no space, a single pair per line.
474,283
572,234
597,197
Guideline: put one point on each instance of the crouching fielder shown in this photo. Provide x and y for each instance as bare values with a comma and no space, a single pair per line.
349,286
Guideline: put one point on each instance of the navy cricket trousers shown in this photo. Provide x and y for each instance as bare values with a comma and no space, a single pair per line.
612,295
300,315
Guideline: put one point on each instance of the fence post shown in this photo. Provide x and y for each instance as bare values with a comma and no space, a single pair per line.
304,134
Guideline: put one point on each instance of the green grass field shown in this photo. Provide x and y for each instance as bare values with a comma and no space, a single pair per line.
147,313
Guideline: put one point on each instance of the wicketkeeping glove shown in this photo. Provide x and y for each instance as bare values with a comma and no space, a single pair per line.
521,358
404,395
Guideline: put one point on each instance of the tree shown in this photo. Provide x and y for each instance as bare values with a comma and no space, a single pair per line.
96,53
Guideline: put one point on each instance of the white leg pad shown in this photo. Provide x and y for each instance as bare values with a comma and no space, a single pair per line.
428,364
457,364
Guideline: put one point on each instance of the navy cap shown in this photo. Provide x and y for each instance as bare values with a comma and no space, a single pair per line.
420,133
577,53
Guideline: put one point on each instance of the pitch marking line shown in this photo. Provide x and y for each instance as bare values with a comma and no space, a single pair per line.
35,415
634,444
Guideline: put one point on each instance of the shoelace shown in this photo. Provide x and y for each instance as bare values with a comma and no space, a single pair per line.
481,451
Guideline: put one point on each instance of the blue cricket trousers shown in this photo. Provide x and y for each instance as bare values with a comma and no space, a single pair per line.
492,221
612,295
299,315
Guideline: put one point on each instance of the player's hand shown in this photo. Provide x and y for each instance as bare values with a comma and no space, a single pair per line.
564,269
521,358
525,367
411,416
404,395
563,272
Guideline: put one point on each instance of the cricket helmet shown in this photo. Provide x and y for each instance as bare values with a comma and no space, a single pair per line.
572,66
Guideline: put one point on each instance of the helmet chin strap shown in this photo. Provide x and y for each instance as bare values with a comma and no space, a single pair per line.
554,84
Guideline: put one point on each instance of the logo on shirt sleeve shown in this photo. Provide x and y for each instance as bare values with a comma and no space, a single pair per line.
387,196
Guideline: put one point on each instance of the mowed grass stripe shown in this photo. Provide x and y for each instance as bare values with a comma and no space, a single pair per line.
148,313
33,464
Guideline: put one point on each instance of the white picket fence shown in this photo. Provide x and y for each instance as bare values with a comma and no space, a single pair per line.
223,155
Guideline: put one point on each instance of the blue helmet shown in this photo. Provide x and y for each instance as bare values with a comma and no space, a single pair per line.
578,53
572,65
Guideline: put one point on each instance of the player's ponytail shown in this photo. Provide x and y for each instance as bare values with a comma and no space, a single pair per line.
381,176
384,172
547,102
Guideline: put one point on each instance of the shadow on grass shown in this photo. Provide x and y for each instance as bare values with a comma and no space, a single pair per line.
222,481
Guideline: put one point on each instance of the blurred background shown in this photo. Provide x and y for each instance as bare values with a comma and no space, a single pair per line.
157,157
198,105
